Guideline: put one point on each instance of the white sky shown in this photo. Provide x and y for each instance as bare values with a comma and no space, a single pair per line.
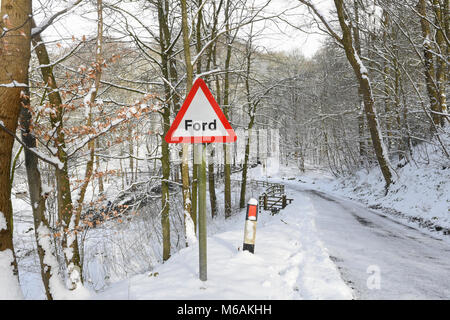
287,38
276,38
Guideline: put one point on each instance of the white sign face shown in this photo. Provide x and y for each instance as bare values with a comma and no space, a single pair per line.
200,119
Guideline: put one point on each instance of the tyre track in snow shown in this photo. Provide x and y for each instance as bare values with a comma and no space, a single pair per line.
411,263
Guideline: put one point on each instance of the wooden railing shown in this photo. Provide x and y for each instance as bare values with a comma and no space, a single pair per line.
273,203
274,198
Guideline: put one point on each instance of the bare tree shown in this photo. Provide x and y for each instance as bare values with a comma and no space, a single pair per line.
361,73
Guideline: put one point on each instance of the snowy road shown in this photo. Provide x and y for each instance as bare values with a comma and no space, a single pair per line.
370,248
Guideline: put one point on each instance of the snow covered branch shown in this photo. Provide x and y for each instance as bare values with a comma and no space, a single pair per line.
14,84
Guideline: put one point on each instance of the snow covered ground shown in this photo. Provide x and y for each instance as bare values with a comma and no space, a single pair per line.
380,257
322,246
327,244
290,262
393,246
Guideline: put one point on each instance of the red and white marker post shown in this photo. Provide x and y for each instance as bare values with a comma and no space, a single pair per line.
250,225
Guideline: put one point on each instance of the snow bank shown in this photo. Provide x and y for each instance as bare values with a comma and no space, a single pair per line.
418,193
29,267
9,285
419,196
290,262
57,288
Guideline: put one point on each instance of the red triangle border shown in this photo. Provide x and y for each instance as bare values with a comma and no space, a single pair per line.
200,84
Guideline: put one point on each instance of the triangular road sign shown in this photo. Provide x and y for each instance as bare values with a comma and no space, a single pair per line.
200,119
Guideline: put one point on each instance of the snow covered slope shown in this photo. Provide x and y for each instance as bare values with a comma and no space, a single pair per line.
420,195
290,262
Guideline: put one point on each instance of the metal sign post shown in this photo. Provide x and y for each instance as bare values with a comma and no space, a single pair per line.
200,121
202,214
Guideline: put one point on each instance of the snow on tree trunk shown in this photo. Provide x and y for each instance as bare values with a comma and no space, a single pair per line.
56,287
65,205
369,103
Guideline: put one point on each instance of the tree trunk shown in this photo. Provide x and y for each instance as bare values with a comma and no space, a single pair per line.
64,196
211,183
361,127
15,56
47,257
429,63
242,202
196,165
73,227
226,96
251,112
194,194
165,154
441,70
101,188
130,152
387,84
187,199
369,103
165,210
